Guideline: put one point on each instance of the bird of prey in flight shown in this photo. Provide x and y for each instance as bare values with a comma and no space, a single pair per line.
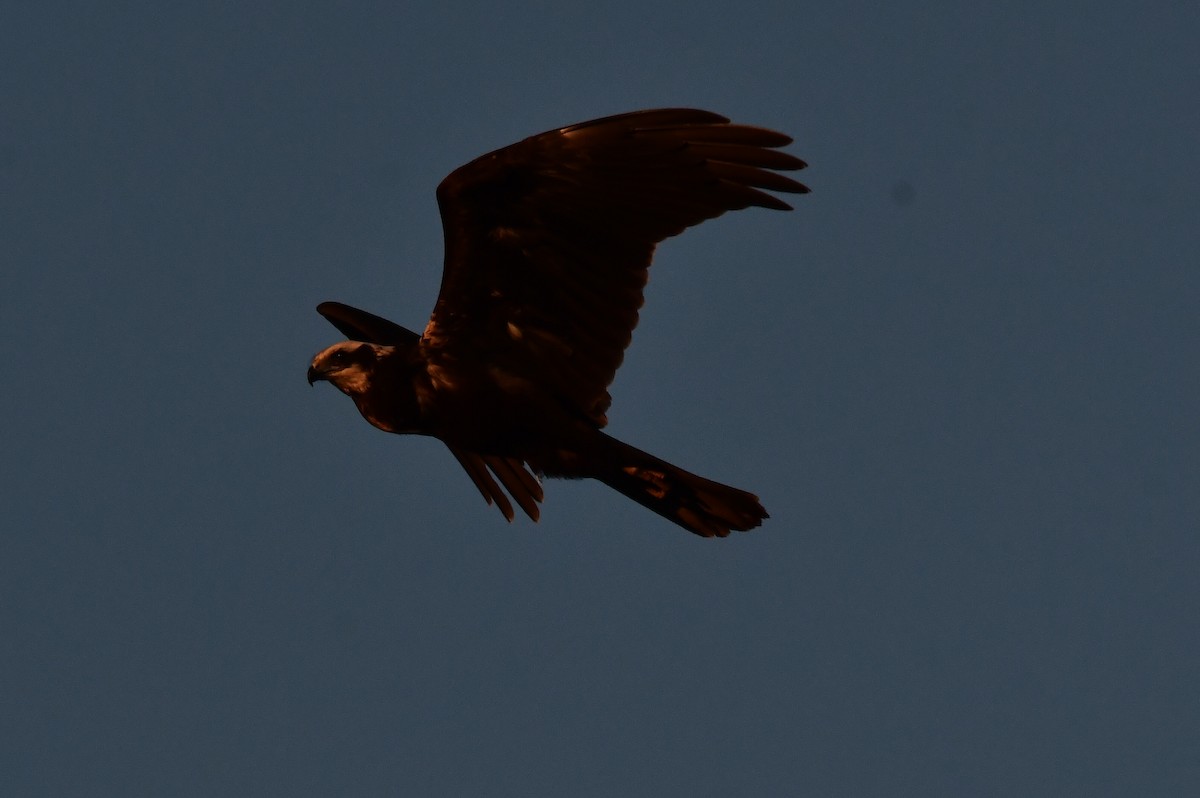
548,243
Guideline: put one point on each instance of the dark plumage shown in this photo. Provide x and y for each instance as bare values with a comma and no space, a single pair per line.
548,243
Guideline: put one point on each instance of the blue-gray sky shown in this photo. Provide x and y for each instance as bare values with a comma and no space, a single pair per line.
962,376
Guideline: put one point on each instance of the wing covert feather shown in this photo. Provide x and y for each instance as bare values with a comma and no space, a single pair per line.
549,241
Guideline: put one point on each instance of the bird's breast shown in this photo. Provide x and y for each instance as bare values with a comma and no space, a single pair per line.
486,408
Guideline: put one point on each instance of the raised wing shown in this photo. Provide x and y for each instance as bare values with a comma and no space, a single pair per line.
358,325
548,241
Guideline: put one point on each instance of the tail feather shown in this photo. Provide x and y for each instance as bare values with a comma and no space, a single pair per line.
699,505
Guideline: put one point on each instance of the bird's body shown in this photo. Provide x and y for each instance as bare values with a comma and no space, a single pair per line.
548,243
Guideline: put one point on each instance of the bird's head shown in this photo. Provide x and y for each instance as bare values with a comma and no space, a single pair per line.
348,365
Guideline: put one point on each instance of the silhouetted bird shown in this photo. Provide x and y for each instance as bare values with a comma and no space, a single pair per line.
548,242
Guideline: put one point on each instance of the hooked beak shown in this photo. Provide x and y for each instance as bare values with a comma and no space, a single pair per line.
314,375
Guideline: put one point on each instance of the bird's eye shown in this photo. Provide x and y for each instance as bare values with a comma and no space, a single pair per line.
338,357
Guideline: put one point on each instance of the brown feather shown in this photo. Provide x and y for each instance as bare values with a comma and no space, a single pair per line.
548,246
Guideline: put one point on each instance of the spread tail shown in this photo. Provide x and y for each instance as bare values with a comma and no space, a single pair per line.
699,505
